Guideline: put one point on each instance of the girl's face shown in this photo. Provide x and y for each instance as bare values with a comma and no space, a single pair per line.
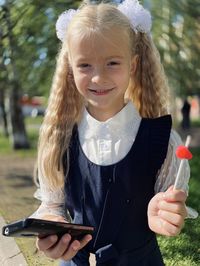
102,67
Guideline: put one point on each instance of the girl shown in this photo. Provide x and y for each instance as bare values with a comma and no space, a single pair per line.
106,147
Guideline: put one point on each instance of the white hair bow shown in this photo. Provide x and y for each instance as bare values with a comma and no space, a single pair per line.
63,22
140,18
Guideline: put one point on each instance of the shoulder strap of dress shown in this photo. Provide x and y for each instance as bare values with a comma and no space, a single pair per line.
159,130
73,144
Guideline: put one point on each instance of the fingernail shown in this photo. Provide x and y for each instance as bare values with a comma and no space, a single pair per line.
66,239
88,238
53,238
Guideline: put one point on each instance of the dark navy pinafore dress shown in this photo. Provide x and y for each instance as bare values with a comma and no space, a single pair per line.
114,199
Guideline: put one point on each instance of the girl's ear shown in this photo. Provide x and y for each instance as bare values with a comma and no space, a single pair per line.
134,63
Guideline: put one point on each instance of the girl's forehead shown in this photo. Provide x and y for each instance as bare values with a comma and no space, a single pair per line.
107,43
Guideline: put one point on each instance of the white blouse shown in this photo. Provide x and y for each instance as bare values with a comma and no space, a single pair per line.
108,142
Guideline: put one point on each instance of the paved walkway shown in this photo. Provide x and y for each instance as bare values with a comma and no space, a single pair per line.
10,255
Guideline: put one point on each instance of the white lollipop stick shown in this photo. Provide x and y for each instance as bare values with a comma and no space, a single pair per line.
187,143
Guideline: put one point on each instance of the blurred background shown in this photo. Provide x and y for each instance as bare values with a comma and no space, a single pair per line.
28,50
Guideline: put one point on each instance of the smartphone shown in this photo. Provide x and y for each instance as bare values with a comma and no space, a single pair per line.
31,227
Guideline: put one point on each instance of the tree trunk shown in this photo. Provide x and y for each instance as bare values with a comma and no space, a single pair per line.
3,113
19,136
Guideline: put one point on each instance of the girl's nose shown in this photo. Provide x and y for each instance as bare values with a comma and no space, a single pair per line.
99,76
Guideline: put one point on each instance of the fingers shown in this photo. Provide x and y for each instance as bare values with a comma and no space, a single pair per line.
75,247
175,195
172,218
153,204
169,229
167,211
173,207
46,242
85,240
60,248
64,248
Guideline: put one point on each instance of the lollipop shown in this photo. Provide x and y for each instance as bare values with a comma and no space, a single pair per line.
182,153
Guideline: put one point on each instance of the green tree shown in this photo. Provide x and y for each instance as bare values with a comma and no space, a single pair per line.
176,33
19,137
29,46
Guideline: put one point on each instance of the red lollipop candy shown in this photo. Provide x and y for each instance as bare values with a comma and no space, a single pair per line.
182,152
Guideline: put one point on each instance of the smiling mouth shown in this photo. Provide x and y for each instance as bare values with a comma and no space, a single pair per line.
101,92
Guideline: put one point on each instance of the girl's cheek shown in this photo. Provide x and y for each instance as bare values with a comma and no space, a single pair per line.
80,77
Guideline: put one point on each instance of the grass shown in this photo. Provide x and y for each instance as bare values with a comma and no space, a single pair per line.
33,120
16,201
195,123
32,126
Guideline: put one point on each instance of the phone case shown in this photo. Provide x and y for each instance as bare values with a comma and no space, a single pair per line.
31,227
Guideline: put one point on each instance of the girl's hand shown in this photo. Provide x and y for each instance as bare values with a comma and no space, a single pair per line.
63,248
167,211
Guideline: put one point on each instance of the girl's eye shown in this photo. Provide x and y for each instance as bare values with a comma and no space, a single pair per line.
84,65
113,63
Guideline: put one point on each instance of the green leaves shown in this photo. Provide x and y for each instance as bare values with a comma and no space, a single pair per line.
176,34
32,26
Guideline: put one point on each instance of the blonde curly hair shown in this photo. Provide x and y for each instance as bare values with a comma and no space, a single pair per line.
148,89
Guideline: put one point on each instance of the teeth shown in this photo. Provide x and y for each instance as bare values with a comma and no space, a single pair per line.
101,91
